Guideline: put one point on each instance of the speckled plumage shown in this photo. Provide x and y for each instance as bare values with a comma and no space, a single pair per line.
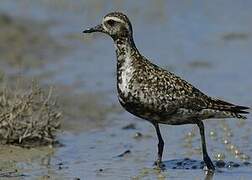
155,94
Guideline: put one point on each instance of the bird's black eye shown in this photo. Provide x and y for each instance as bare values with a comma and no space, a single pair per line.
111,22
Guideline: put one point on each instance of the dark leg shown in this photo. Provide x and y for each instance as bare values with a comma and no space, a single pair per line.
206,158
160,147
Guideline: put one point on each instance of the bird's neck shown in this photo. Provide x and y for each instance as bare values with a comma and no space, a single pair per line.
126,53
125,48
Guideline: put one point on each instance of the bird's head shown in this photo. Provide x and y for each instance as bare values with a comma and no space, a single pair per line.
115,24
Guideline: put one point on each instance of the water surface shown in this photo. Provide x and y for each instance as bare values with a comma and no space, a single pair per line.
207,43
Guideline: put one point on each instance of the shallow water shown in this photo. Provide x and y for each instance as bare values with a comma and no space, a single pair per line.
207,43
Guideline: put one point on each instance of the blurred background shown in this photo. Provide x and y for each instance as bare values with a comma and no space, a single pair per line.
207,43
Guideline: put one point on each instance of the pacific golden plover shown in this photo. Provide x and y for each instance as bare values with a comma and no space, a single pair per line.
156,95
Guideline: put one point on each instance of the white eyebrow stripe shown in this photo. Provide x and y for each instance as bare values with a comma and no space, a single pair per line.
113,18
103,25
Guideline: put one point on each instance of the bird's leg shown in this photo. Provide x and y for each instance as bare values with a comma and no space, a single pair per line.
158,162
206,158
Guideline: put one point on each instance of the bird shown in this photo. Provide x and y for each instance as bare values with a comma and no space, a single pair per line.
152,93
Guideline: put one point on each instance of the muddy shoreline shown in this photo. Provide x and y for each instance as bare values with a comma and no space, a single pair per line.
98,139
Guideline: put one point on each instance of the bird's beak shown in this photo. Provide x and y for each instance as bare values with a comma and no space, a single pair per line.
97,28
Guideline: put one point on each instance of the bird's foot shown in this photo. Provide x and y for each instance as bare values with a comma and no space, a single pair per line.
159,165
209,168
209,165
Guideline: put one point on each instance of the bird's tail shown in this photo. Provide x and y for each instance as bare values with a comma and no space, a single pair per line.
234,110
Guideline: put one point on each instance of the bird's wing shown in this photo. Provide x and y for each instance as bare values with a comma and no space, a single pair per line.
195,100
178,93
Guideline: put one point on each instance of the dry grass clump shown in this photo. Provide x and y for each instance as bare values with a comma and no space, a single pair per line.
28,118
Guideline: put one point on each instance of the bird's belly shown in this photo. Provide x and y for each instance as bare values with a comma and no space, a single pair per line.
150,112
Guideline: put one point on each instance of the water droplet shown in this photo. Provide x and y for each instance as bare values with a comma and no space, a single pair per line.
213,133
138,135
190,134
220,156
225,141
237,151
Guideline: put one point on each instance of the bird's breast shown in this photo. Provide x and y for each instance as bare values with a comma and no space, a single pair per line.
125,72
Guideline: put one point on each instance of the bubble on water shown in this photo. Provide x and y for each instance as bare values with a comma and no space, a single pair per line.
231,147
138,135
190,134
244,157
213,133
220,156
225,141
237,152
